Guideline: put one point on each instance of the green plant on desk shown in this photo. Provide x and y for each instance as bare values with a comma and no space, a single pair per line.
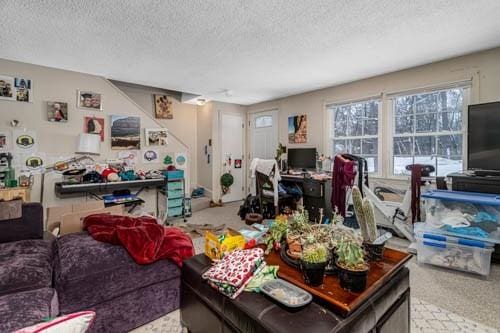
315,254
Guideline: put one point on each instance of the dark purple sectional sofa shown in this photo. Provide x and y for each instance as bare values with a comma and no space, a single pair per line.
40,279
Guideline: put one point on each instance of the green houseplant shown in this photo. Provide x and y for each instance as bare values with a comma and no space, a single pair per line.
313,263
353,270
298,226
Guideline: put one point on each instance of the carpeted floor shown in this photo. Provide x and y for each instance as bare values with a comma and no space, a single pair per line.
442,300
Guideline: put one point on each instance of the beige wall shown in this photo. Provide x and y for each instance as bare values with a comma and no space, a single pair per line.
58,140
483,68
183,126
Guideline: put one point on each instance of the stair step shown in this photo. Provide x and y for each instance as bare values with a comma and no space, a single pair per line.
201,203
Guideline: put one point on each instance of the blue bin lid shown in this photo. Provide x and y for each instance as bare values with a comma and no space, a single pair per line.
468,197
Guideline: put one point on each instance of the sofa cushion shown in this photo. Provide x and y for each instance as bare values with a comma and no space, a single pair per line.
26,308
25,265
88,272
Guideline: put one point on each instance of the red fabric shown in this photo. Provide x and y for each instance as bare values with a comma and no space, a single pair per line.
416,182
145,240
344,172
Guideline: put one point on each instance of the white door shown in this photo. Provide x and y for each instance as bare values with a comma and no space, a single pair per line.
264,134
263,139
232,134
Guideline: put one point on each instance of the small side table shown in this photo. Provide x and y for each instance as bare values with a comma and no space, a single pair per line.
15,192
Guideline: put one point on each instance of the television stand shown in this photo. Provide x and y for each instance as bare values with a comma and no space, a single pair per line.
486,173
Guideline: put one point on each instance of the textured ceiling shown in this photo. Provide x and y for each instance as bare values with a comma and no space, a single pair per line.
258,49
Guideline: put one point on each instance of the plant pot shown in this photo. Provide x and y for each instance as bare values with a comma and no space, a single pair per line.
294,246
374,252
313,273
351,280
331,266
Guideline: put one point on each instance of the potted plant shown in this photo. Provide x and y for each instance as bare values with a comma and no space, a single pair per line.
366,220
298,226
352,268
313,263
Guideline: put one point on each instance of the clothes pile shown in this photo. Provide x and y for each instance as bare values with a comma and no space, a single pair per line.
232,273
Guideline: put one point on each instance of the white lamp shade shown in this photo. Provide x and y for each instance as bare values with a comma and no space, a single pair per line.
89,144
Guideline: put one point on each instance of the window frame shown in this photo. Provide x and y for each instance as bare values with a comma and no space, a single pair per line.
330,128
391,126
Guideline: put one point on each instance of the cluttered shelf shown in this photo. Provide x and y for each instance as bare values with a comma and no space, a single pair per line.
62,188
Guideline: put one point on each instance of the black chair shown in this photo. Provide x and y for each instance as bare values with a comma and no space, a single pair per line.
265,193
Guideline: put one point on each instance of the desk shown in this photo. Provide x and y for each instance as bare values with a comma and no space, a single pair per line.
316,194
65,190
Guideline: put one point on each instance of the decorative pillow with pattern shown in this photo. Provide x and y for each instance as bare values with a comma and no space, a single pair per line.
78,322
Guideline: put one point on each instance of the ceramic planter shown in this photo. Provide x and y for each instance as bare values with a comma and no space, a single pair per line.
354,281
374,252
313,273
294,246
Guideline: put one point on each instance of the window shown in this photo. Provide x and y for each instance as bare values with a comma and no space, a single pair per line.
263,121
428,129
354,130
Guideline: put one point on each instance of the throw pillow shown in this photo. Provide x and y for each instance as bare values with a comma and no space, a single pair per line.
77,322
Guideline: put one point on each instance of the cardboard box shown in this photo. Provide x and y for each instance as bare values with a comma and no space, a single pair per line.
72,223
216,246
54,214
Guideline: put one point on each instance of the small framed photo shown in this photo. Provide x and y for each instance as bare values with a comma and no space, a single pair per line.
89,100
57,112
163,107
94,125
156,136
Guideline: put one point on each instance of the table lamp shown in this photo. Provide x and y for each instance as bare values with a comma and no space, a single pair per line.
89,144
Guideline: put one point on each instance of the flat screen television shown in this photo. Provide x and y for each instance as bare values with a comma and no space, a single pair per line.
302,158
483,137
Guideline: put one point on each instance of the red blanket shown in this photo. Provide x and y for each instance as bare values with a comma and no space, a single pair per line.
145,240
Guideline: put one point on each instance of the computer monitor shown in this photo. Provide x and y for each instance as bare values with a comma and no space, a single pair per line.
483,137
302,158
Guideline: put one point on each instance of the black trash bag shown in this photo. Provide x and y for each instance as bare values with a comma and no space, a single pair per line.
250,205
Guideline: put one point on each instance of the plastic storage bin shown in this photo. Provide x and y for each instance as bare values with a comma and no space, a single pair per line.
175,174
174,211
464,214
175,194
175,202
452,252
175,185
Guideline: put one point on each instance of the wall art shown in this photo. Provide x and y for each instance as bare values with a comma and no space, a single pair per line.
24,141
4,140
163,107
94,125
156,136
180,160
23,89
297,129
89,100
57,112
125,132
150,156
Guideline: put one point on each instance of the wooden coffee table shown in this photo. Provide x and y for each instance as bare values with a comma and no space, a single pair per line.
342,301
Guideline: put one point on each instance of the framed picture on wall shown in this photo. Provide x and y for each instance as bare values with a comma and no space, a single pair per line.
57,112
4,140
297,129
94,125
23,89
125,132
7,88
163,107
156,136
89,100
